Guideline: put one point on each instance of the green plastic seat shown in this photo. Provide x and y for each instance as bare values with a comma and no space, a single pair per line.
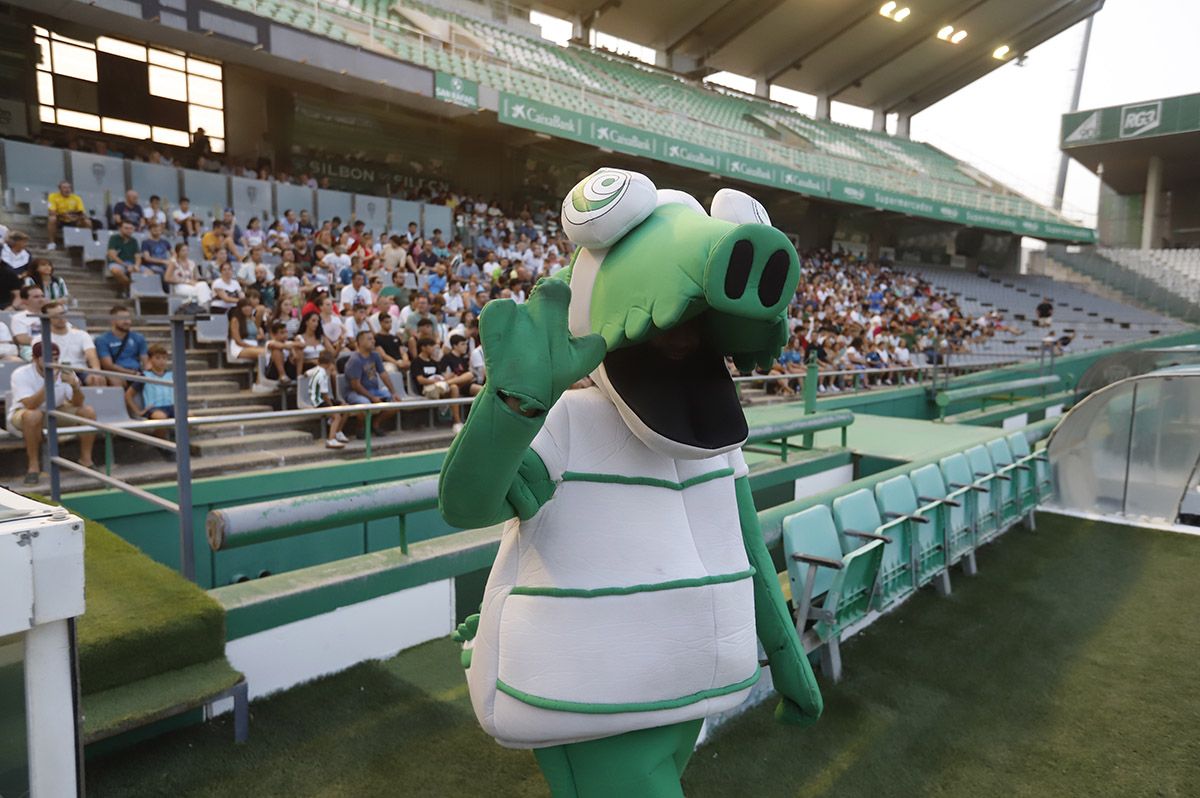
985,473
858,519
956,470
927,535
1043,484
1008,491
953,507
830,589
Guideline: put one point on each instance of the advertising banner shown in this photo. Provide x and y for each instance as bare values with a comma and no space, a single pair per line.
455,90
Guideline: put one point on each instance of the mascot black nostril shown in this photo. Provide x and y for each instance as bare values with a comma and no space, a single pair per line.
632,585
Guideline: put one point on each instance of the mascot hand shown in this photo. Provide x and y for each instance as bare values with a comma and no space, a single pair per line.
465,633
801,704
528,350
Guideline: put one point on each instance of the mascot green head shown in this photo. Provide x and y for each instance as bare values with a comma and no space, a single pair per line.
673,291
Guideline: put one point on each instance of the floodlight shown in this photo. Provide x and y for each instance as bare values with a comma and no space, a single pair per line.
945,33
958,37
902,14
887,8
1000,52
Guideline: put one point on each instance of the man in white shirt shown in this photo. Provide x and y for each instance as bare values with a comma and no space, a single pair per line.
26,412
356,293
27,323
336,261
245,272
76,347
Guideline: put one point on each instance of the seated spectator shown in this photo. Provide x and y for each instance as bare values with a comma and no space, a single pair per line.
255,236
391,348
26,323
1045,312
154,213
65,209
246,271
289,283
264,285
260,313
425,329
183,276
124,255
75,347
242,339
284,356
130,211
331,323
218,239
42,275
14,265
27,410
8,347
157,400
312,337
285,311
368,382
156,251
357,321
356,292
226,290
121,349
320,394
337,261
418,311
185,220
433,376
458,364
304,225
312,300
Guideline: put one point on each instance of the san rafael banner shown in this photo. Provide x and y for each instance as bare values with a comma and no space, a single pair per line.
455,90
543,118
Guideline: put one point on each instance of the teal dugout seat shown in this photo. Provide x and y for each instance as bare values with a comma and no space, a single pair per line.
858,519
927,536
1043,484
1018,495
984,472
831,588
954,509
956,470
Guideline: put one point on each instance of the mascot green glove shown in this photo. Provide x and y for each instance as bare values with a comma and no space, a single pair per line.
632,585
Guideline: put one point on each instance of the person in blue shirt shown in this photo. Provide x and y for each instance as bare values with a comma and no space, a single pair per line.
130,211
435,283
875,300
156,251
367,380
121,349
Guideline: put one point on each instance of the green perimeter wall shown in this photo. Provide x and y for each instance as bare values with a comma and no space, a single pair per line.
155,531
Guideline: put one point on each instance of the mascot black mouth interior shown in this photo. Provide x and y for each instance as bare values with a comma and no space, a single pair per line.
632,584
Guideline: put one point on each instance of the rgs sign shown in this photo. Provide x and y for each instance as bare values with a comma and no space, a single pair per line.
1138,120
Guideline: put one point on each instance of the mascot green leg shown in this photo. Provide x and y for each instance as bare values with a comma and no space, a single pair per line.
641,764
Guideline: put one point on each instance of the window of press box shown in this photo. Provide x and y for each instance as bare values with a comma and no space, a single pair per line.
127,89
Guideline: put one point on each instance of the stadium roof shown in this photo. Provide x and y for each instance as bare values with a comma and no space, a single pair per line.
849,51
1121,139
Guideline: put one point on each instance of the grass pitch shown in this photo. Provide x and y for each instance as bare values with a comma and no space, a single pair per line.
1066,667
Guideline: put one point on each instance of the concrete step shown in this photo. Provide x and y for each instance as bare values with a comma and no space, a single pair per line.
221,410
205,373
226,400
308,425
201,388
255,442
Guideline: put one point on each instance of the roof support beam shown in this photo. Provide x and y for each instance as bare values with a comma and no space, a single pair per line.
918,36
690,31
821,39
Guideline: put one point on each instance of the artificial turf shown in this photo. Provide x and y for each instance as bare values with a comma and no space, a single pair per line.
1066,667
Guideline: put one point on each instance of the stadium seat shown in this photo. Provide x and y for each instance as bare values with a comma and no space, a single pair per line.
991,519
108,402
145,285
77,237
831,589
857,518
1016,494
926,535
213,329
953,507
956,470
1043,484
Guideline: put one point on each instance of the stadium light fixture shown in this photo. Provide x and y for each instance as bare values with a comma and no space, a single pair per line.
902,14
887,8
958,37
890,10
1001,52
945,33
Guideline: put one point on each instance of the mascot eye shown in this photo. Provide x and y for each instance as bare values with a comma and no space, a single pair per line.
606,205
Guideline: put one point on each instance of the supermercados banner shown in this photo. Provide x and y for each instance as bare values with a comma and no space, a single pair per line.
543,118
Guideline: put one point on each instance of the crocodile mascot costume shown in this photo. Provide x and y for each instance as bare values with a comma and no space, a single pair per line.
632,584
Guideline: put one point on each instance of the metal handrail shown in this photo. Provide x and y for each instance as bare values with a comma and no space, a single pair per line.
120,484
121,375
83,424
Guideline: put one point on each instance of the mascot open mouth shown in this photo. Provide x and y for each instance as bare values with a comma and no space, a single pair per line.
677,384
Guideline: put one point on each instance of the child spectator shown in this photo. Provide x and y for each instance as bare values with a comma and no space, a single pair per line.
185,221
289,283
320,394
42,275
157,401
432,375
283,356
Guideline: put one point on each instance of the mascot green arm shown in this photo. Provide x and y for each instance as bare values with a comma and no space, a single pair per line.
790,670
490,473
